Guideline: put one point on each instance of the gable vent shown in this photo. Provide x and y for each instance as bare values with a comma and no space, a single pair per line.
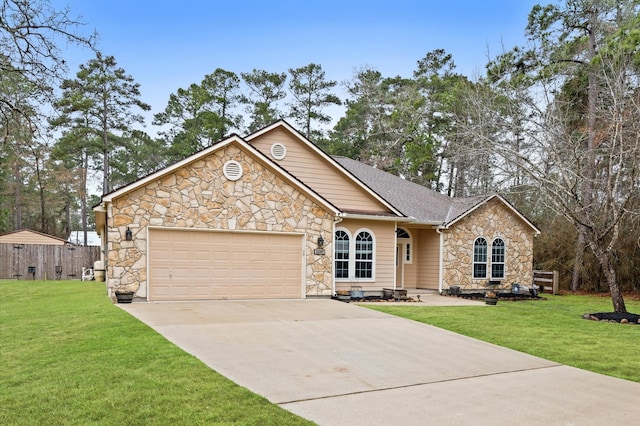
278,151
232,170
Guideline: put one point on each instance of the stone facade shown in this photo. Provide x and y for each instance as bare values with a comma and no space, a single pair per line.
198,195
492,220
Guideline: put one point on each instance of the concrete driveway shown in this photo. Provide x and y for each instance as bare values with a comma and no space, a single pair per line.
343,364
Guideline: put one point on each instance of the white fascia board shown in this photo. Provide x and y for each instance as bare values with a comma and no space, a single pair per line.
413,221
321,153
290,178
520,215
504,202
169,169
207,151
468,212
374,217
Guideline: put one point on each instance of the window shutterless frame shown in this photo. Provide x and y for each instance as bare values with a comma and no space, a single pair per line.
480,258
497,259
354,255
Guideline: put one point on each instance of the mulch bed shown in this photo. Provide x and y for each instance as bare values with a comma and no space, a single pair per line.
625,318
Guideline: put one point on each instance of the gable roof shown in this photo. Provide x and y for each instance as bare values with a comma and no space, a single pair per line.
331,160
209,150
29,236
419,202
409,201
414,200
482,200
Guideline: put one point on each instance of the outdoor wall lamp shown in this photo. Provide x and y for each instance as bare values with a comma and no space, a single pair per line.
320,241
128,235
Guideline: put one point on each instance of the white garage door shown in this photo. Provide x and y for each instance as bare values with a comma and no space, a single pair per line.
199,265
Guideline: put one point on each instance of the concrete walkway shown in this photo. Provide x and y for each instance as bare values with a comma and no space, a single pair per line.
342,364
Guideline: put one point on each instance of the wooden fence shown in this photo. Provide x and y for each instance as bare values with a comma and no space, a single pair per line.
45,262
546,280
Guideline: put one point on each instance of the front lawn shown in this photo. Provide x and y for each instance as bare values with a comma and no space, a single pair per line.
551,329
68,356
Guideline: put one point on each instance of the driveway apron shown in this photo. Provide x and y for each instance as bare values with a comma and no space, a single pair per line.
342,364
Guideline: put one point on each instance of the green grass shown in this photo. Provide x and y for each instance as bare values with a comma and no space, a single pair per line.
552,329
68,356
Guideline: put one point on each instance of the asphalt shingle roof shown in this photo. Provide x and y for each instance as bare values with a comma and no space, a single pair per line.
416,201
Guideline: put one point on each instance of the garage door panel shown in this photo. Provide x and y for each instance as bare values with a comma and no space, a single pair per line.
190,265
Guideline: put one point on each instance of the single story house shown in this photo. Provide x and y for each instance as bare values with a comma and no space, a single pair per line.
271,215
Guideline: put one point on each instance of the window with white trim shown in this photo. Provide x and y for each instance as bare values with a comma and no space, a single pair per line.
497,259
354,256
341,256
480,258
364,255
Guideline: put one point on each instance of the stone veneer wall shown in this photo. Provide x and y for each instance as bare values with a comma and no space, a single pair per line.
492,220
200,196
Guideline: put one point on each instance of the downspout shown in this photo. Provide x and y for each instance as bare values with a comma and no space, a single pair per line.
441,258
105,248
336,220
397,257
101,213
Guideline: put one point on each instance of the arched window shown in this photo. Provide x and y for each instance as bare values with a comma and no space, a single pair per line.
353,256
401,233
341,256
497,258
404,237
480,258
364,255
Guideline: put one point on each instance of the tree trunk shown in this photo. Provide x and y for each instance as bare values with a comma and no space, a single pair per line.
452,178
308,126
592,95
83,195
612,280
40,194
578,263
17,193
67,212
223,127
105,148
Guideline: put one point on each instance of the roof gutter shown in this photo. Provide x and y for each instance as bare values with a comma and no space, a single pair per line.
433,224
101,218
374,217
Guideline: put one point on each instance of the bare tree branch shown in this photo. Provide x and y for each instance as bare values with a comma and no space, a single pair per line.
31,32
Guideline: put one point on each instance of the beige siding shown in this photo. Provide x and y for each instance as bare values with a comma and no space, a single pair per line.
410,269
330,182
385,249
29,237
423,270
428,258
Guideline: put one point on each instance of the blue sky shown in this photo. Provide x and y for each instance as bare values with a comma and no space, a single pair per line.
166,45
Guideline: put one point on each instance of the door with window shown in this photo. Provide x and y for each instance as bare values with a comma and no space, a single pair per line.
403,255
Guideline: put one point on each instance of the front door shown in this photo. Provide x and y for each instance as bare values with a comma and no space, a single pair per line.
403,255
399,265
